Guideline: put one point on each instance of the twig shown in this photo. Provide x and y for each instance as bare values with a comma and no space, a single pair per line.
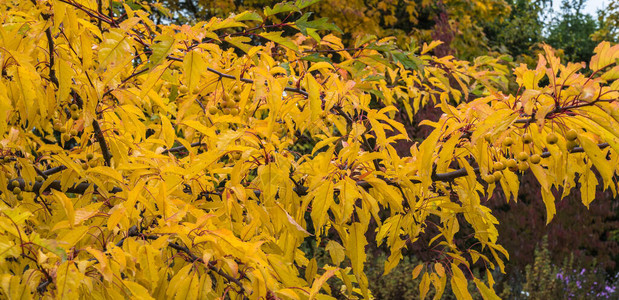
181,148
107,156
75,189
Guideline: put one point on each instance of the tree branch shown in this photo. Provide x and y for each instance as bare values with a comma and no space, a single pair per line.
107,156
75,189
181,148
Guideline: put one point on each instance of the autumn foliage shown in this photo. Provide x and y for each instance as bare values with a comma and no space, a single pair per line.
203,161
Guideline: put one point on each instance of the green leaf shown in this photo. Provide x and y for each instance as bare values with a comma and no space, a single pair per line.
248,16
241,42
280,8
301,4
315,57
161,47
276,36
305,26
407,60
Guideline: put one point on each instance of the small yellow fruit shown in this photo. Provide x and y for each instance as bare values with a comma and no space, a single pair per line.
499,166
66,137
57,126
75,116
84,166
571,145
213,110
236,90
234,111
523,166
511,163
17,190
552,138
535,159
497,175
226,111
20,197
90,156
488,138
74,107
522,156
183,89
39,178
571,135
236,155
489,179
15,183
73,132
92,163
527,138
508,141
62,130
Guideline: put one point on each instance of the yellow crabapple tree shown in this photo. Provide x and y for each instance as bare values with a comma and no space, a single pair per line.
163,161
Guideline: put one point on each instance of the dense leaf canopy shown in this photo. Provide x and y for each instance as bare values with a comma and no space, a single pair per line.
164,161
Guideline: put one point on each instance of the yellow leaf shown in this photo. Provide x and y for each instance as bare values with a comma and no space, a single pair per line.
322,200
320,65
459,283
417,270
424,286
137,290
115,45
67,204
193,67
319,282
440,270
486,292
427,48
104,264
336,251
315,104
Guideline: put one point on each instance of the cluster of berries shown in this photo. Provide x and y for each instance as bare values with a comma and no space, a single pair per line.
521,160
229,104
75,115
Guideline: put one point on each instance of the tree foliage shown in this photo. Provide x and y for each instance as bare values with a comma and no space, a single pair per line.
159,161
572,31
519,32
458,23
609,23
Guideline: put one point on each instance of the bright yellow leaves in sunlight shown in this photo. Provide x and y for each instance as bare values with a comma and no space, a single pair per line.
253,158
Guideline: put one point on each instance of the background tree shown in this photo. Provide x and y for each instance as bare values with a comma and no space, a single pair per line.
609,23
521,31
457,23
571,31
158,161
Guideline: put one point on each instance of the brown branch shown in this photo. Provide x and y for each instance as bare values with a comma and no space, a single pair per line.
79,188
91,13
54,170
562,109
246,80
193,258
107,156
133,231
181,148
450,176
